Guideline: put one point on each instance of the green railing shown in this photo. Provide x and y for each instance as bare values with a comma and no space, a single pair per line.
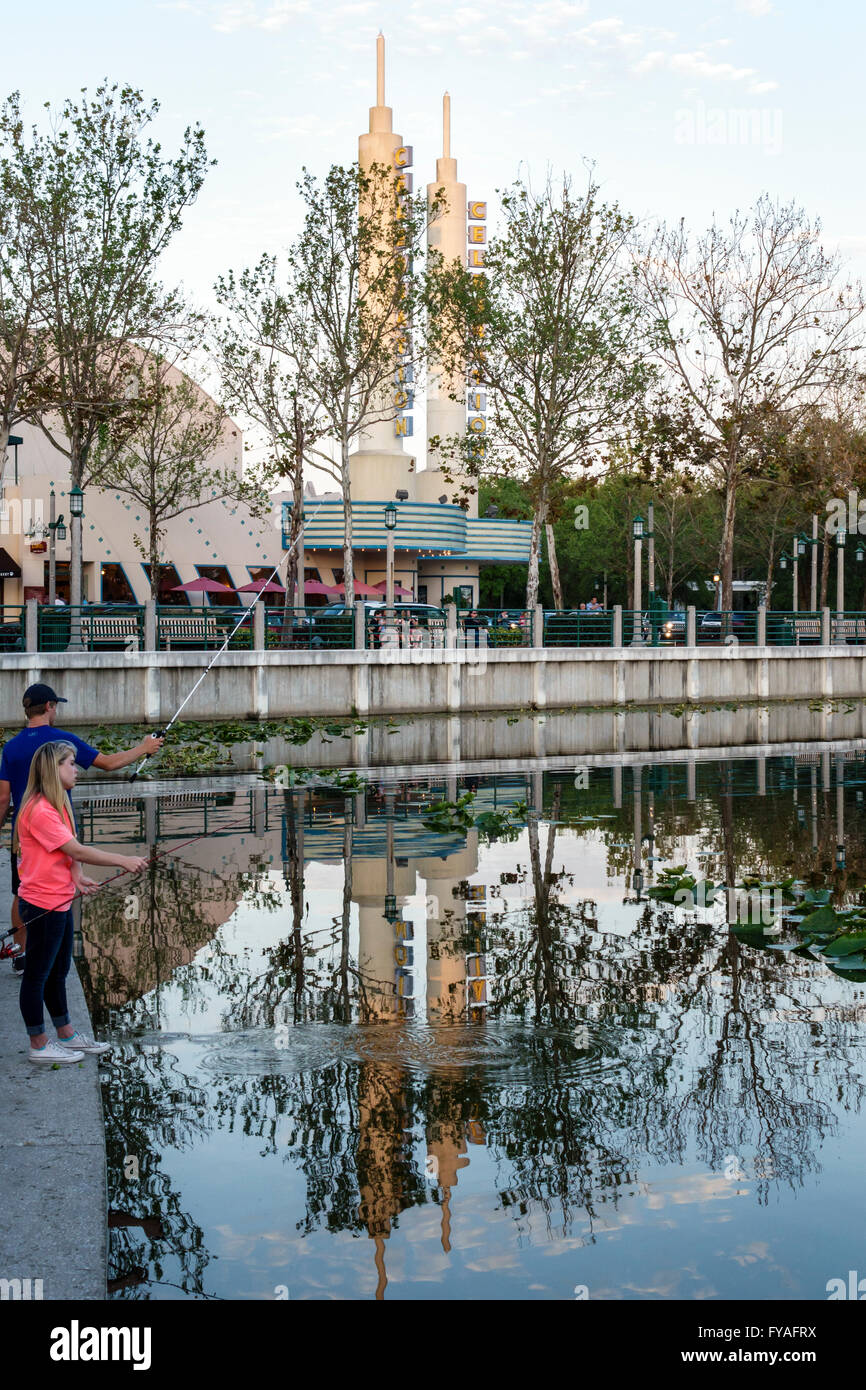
502,627
581,628
12,627
90,627
848,629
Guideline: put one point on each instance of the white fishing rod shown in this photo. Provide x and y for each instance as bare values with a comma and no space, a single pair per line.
162,733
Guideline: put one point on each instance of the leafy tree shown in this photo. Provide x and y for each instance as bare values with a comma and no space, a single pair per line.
262,379
164,462
97,204
555,332
340,320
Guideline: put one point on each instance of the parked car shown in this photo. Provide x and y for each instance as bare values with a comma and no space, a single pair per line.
673,629
716,626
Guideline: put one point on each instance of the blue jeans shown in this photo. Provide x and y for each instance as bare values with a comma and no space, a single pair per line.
46,965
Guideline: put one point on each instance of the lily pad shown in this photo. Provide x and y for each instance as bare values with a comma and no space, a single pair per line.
822,923
846,945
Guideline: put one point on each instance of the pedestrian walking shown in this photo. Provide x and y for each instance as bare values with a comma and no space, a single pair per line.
40,710
49,868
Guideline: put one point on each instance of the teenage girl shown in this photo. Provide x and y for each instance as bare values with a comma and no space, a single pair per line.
50,860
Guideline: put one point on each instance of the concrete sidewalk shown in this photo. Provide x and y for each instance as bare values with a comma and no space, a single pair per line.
53,1199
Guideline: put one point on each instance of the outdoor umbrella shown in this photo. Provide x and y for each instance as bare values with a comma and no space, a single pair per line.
398,590
362,590
203,586
315,586
261,586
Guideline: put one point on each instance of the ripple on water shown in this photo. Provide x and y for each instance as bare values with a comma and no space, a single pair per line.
512,1053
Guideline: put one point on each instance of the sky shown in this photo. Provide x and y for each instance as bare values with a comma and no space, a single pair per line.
687,109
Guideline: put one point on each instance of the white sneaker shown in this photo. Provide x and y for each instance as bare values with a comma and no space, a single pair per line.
53,1053
80,1042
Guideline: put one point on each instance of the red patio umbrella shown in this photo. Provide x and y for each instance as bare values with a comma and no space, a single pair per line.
203,586
398,589
315,586
261,586
362,590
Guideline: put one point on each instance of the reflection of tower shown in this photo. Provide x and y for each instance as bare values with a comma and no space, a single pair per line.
384,937
446,932
384,1154
379,465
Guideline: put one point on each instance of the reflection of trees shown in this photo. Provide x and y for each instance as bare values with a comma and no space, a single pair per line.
150,1108
139,934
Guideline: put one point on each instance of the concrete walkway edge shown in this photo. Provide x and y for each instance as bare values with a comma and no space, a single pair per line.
53,1198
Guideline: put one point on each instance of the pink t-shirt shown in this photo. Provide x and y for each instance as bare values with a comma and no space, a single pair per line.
45,873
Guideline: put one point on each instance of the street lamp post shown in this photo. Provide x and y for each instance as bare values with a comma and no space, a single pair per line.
841,537
390,527
651,554
717,584
76,509
637,629
57,532
813,594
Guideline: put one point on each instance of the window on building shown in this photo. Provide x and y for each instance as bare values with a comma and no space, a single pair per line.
168,578
221,575
116,588
422,593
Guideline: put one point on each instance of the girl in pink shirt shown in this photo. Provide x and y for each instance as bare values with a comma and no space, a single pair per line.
50,859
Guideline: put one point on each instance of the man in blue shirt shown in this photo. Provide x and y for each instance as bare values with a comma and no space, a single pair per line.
40,707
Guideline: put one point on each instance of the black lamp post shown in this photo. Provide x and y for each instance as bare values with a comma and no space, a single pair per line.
76,508
56,532
637,528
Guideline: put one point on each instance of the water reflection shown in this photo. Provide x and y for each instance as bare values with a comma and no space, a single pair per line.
336,1023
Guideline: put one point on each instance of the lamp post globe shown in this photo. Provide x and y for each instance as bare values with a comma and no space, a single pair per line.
76,501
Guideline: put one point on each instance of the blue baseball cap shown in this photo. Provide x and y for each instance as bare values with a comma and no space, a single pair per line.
42,695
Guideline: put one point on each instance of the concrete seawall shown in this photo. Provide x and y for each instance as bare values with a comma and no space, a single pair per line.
147,687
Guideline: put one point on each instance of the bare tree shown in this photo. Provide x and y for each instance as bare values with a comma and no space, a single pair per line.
754,317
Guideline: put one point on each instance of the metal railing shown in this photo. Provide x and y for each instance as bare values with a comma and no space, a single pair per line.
90,627
581,628
11,627
504,627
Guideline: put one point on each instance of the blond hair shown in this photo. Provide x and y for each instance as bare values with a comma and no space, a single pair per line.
44,780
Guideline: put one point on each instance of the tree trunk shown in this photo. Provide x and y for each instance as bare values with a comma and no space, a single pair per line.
825,568
154,559
539,518
294,533
726,551
348,560
554,567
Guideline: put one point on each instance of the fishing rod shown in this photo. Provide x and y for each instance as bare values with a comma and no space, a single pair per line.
163,733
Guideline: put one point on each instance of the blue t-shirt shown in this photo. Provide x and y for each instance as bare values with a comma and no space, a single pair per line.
18,753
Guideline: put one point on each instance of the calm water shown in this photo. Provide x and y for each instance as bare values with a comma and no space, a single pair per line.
358,1056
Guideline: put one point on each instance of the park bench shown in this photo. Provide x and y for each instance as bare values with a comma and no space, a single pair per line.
852,630
114,629
188,629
